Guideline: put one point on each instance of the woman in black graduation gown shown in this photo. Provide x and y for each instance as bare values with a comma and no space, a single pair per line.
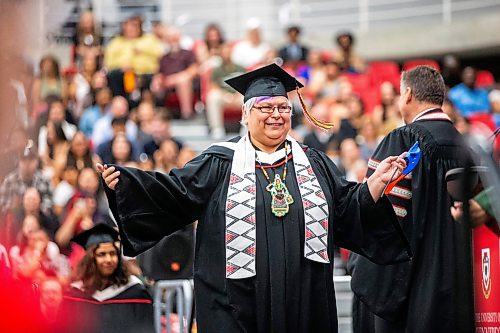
106,298
269,212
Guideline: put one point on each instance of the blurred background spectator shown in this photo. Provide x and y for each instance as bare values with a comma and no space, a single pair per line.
94,112
293,51
178,69
452,71
209,49
494,98
345,55
26,175
87,39
253,49
49,82
220,95
103,127
80,87
131,59
56,115
466,97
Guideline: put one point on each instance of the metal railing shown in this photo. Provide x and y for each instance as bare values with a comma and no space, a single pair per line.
170,293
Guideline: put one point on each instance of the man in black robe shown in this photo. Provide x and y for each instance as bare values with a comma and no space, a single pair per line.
263,247
433,292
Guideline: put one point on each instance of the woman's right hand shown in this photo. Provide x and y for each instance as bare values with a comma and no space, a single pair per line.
109,175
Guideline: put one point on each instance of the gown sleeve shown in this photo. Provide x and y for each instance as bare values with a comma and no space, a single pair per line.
360,224
151,205
384,288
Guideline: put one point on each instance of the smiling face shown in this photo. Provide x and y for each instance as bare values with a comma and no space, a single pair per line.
268,130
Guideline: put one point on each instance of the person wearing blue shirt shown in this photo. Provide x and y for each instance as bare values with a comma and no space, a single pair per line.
468,99
92,114
494,98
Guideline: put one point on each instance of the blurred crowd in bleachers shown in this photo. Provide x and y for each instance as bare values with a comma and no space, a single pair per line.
115,102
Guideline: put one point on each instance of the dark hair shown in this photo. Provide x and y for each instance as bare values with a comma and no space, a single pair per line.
54,62
163,114
131,148
21,239
133,17
345,34
213,26
72,160
96,31
53,99
119,121
59,131
357,98
59,135
87,271
295,28
426,84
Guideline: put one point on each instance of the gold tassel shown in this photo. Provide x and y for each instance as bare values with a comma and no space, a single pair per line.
318,123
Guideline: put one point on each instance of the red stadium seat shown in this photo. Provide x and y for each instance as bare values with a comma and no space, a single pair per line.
359,82
390,67
326,55
409,64
380,71
370,99
483,118
484,79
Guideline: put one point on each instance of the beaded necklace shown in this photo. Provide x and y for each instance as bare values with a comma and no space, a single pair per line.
280,197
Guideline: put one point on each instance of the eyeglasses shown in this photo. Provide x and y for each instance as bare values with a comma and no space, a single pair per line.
270,108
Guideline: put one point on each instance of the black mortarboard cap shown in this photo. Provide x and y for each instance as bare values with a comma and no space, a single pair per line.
270,80
100,233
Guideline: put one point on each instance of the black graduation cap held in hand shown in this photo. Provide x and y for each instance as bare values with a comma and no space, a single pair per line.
98,234
271,80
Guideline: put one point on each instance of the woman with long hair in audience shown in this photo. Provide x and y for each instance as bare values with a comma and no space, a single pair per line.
208,51
79,154
87,40
356,110
80,89
105,295
121,150
386,115
36,257
30,205
49,82
54,159
83,210
368,137
57,114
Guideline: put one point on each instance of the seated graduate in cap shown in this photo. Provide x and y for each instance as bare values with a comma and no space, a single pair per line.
106,298
269,211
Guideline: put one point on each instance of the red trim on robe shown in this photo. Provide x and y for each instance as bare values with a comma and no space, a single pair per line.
113,301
